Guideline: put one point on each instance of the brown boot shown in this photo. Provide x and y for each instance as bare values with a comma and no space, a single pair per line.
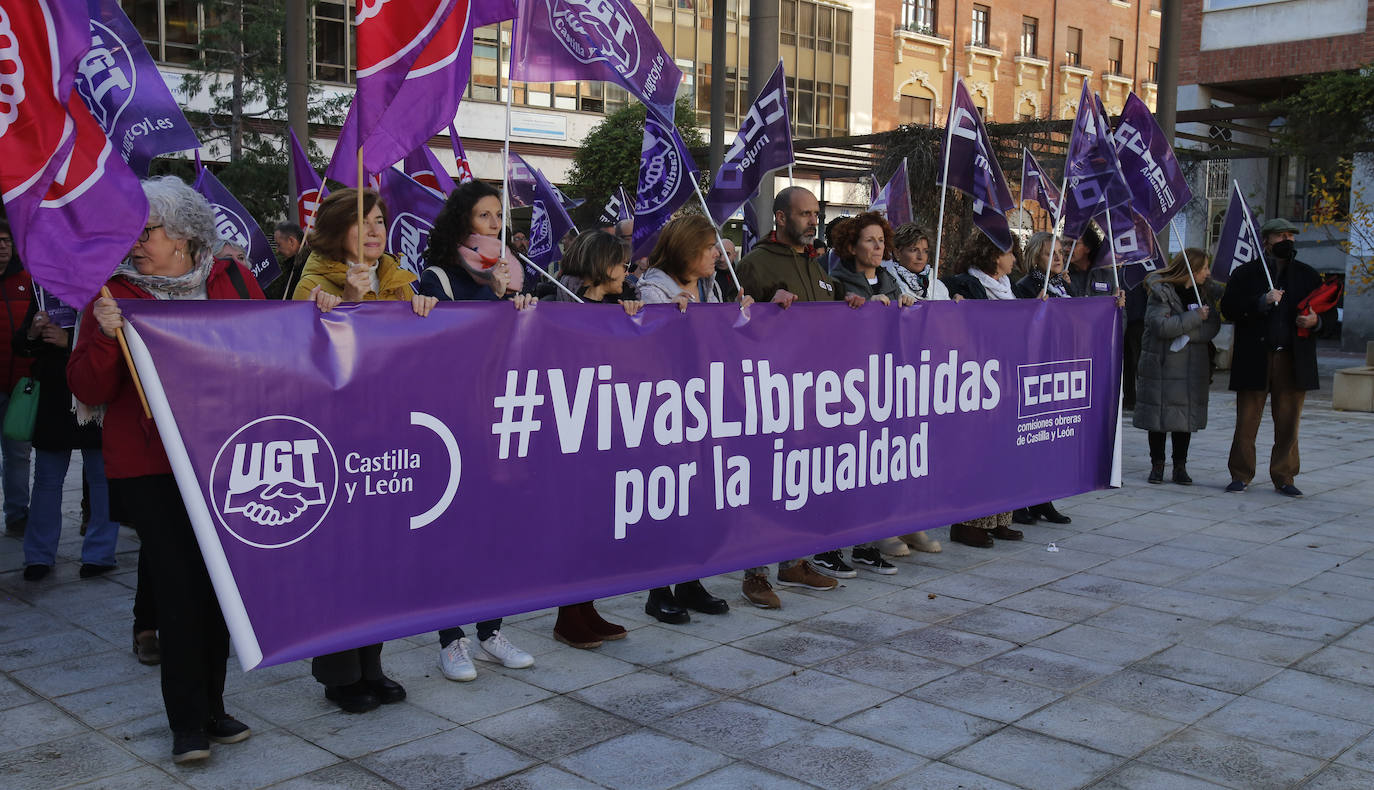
571,628
970,536
604,630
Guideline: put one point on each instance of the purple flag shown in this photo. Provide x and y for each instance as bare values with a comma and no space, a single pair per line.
549,222
490,12
895,199
878,200
1238,243
1158,188
1133,249
667,176
1094,177
422,166
75,207
763,144
236,226
421,68
617,209
1038,186
310,189
464,168
605,40
566,202
972,168
125,92
412,208
752,231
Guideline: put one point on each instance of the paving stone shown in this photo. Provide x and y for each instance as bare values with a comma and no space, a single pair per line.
1099,644
571,669
1231,640
1204,668
645,696
349,735
1056,605
1100,587
458,758
1135,569
1034,761
796,645
921,606
636,762
1100,725
348,775
1160,696
727,669
942,775
737,728
49,648
950,645
1319,694
1102,544
12,695
1361,638
1008,624
831,758
983,589
988,696
860,625
268,757
1146,623
886,668
1278,620
828,698
82,672
1181,557
1286,727
36,723
918,727
551,728
1230,761
1134,776
141,778
1341,584
1047,668
1339,777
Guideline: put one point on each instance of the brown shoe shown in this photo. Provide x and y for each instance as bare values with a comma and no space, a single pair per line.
1006,533
760,593
147,648
604,630
571,628
803,575
970,536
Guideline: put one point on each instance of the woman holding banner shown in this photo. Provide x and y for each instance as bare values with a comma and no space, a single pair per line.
454,270
1175,370
911,266
171,260
348,263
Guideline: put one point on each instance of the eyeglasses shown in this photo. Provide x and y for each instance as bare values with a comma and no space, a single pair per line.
148,231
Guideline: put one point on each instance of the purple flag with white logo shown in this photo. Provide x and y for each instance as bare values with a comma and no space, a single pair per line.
617,209
667,176
752,231
1238,243
878,201
763,144
125,92
1094,178
973,169
423,166
566,202
605,40
236,226
1037,185
1133,249
549,222
895,198
464,168
1159,189
310,189
412,208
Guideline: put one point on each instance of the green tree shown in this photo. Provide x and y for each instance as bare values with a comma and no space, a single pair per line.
609,156
1329,118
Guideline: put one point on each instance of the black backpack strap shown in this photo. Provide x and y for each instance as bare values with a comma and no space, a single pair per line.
236,277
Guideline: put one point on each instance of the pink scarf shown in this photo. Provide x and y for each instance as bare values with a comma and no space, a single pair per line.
480,254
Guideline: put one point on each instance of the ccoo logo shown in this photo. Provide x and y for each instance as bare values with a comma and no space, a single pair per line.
1051,387
273,482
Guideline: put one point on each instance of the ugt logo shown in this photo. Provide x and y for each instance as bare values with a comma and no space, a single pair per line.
605,24
273,482
660,173
230,226
106,76
409,235
541,230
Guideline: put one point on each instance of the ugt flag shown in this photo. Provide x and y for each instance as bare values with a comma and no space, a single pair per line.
75,207
605,40
895,198
309,188
122,87
236,226
1158,189
667,176
763,144
464,169
1092,172
972,168
412,209
1038,186
1238,243
1132,249
617,209
549,223
422,166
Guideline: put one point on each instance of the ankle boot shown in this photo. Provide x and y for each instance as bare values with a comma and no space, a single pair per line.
1156,473
1181,473
571,628
694,596
607,631
1023,515
1048,512
970,536
664,608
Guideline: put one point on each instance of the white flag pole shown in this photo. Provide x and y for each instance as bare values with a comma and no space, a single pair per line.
944,182
1054,242
1259,243
505,152
720,242
1184,252
1111,248
550,277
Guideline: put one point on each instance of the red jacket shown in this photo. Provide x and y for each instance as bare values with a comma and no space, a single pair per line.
16,289
97,374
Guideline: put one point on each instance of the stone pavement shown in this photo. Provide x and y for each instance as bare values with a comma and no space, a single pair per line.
1179,638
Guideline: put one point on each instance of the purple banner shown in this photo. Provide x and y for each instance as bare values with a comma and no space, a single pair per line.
236,226
617,209
310,188
1159,189
1238,243
1094,178
1133,249
703,445
895,199
464,168
549,221
412,208
59,312
667,180
125,92
971,167
604,40
1037,185
424,167
763,144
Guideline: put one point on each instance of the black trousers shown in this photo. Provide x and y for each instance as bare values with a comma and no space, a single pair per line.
145,608
191,630
348,666
1181,440
1130,361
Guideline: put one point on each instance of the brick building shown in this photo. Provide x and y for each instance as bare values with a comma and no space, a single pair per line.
1020,60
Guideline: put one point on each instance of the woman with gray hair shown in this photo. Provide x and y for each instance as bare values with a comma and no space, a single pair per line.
171,260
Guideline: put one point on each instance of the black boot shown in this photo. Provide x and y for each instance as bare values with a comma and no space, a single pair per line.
664,608
1023,515
694,596
1156,473
1181,473
1048,512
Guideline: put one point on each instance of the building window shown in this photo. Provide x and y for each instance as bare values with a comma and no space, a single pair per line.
1152,64
1073,49
917,110
787,22
1115,47
1030,33
919,16
981,25
842,25
332,39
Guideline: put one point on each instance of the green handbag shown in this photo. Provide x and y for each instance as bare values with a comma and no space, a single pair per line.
22,411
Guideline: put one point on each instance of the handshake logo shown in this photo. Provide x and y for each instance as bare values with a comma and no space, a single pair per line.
274,481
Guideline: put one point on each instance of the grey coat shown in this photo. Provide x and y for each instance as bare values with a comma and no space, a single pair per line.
1171,386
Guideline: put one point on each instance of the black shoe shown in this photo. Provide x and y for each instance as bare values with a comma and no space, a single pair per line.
1181,475
190,747
227,729
1047,512
1288,490
353,698
663,607
970,536
695,597
872,559
33,573
89,571
386,690
1024,516
1236,487
1006,533
1157,474
832,564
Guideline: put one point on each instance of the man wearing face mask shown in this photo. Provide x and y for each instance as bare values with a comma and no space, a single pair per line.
1272,358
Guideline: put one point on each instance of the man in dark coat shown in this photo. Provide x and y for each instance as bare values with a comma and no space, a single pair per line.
289,237
1270,359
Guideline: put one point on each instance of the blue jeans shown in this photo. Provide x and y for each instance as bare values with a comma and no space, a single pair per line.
45,521
16,471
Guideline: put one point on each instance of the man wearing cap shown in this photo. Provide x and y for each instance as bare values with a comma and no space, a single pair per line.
1270,359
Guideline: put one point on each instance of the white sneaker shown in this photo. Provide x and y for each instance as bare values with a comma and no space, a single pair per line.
456,662
498,648
893,547
920,541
